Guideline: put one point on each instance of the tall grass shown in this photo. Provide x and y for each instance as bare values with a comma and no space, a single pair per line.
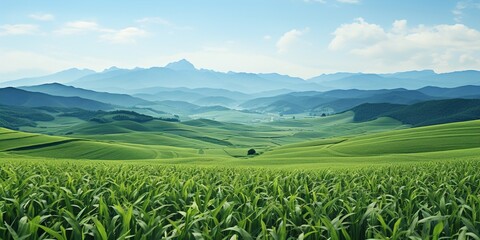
99,200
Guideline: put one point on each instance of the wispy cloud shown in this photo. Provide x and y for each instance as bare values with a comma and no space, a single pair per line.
42,16
79,27
18,29
288,39
461,6
124,35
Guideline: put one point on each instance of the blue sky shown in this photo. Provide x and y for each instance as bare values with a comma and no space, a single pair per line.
297,37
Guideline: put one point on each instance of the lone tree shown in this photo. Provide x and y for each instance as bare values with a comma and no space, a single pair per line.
251,152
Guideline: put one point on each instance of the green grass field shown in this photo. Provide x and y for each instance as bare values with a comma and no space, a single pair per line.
45,199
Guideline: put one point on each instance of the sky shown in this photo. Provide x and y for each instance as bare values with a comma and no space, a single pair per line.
303,38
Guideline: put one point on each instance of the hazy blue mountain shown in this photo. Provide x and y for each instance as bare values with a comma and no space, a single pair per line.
184,108
372,82
409,80
331,77
182,65
187,94
335,101
18,97
280,78
107,73
184,74
175,95
422,113
60,77
458,92
216,101
455,79
411,74
356,93
69,91
395,96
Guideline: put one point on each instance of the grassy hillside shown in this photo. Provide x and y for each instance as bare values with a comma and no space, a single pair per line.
36,145
446,141
424,113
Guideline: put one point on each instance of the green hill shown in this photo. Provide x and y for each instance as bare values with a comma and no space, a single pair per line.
36,145
423,113
439,142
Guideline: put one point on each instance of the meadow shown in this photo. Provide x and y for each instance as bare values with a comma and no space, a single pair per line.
45,199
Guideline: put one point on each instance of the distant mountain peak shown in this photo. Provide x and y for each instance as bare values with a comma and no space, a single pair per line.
112,68
181,65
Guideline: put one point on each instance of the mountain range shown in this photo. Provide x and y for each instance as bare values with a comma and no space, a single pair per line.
183,74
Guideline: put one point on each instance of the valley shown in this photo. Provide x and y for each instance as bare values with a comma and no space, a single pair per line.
179,162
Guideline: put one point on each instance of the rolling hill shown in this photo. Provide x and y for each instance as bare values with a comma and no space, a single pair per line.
17,97
431,143
37,145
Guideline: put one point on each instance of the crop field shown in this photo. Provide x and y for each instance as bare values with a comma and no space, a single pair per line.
318,178
45,199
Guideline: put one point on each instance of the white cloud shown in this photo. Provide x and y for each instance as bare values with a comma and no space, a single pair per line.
357,33
288,39
267,37
442,47
126,35
17,29
349,1
42,17
79,27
